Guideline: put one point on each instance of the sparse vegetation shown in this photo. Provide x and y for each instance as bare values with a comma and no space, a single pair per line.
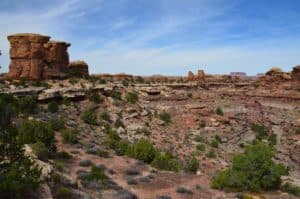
289,188
211,154
40,150
142,150
63,192
164,116
219,111
165,161
97,173
201,147
260,131
57,124
254,170
69,135
89,117
27,105
192,165
132,97
93,96
52,106
105,116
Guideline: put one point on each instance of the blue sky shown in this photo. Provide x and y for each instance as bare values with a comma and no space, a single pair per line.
167,37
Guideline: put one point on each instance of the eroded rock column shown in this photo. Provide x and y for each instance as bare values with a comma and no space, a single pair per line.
27,54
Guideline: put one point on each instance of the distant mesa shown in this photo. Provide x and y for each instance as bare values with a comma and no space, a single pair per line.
36,57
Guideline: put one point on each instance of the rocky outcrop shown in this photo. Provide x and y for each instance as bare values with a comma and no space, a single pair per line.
27,55
191,76
57,58
78,68
296,78
35,57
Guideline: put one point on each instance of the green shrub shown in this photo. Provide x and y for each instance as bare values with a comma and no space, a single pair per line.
40,84
165,161
272,139
105,116
214,143
34,131
297,131
52,106
69,135
63,192
200,138
60,166
40,150
119,123
27,105
201,147
219,111
89,117
254,170
289,188
116,94
122,147
63,155
125,83
94,96
97,173
192,165
19,174
132,97
142,150
211,154
202,124
164,116
259,130
190,95
66,101
57,124
112,138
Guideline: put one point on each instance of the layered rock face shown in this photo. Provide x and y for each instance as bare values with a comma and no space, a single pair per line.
78,68
35,57
27,55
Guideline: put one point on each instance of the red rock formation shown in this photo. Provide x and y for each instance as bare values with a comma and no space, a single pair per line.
34,57
27,56
79,68
191,76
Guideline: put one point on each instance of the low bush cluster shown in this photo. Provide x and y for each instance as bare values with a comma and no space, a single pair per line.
132,97
69,135
89,117
52,106
164,116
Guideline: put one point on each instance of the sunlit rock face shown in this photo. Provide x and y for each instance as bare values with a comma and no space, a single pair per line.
35,57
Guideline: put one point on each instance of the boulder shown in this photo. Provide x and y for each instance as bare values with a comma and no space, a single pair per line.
296,73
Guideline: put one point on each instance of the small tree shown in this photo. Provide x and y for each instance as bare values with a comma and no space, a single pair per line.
254,170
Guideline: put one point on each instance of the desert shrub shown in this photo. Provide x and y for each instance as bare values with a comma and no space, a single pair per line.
63,155
272,139
115,94
202,124
259,130
289,188
192,165
200,138
66,101
105,116
142,150
254,170
165,161
125,83
119,123
69,135
40,84
122,147
219,111
18,172
132,97
32,131
297,131
211,154
40,150
164,116
89,117
112,138
183,190
57,124
97,174
59,165
214,143
27,105
93,96
200,147
52,106
63,192
190,95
